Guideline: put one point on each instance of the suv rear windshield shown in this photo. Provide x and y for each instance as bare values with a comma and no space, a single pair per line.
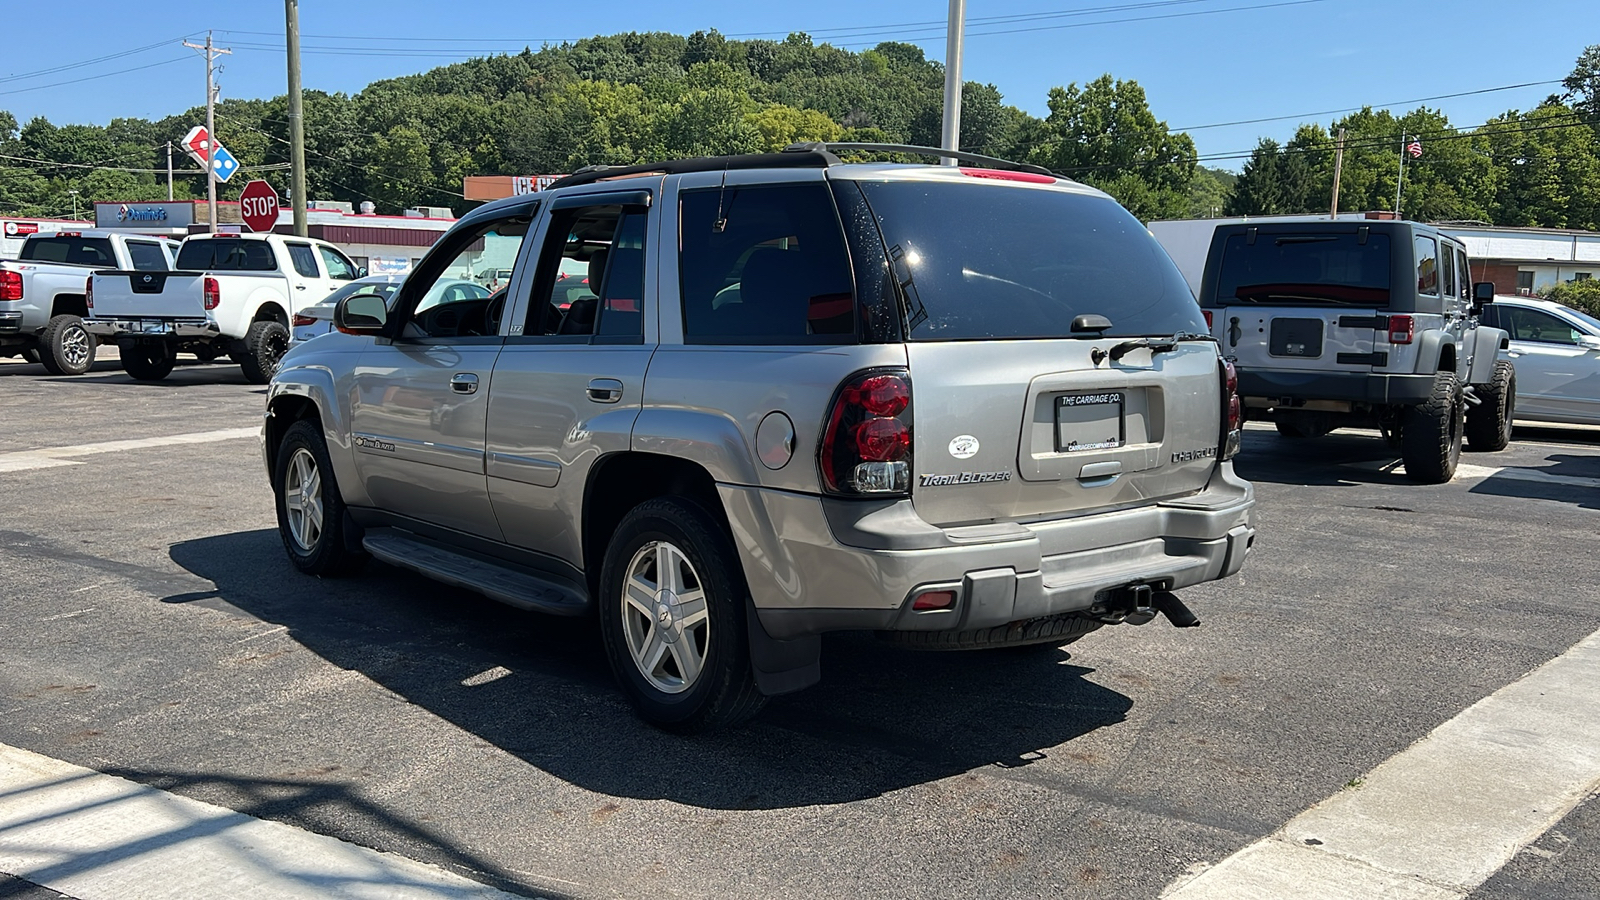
982,262
77,251
226,255
1305,269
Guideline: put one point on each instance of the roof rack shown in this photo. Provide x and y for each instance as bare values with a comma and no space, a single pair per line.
958,155
796,157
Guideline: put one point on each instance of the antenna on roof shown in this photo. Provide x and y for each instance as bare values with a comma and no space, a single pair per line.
721,223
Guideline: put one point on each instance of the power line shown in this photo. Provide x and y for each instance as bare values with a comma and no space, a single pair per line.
1329,112
41,87
89,62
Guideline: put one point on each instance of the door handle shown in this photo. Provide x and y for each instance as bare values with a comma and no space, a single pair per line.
1513,353
299,287
605,390
464,383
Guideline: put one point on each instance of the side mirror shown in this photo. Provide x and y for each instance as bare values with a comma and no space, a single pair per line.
1589,341
361,314
1482,294
361,272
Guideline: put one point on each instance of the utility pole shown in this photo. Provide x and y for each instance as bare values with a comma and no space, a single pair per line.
297,127
169,170
211,53
951,136
1338,170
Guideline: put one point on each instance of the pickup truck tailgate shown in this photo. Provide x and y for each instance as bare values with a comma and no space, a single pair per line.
125,295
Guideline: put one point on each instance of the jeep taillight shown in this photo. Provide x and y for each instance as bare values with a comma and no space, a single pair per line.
1232,413
213,293
10,285
1207,314
1402,329
88,292
866,443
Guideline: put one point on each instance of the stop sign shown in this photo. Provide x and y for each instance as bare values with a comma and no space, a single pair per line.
259,206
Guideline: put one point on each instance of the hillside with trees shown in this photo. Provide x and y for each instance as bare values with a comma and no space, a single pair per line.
631,98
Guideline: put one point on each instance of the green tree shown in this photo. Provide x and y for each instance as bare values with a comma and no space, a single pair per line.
1106,135
1584,295
401,169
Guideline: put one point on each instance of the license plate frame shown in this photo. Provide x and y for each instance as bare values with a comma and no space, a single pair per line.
1082,421
154,326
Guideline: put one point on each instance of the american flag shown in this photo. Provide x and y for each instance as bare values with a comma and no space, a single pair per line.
1415,149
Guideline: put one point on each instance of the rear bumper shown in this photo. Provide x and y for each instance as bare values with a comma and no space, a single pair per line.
1356,387
186,329
805,579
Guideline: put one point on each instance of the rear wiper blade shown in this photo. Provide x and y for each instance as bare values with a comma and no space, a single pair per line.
1155,344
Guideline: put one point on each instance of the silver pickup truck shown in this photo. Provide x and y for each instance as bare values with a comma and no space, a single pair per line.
963,407
42,292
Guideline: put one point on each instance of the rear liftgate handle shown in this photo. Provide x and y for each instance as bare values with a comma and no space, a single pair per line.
464,383
605,390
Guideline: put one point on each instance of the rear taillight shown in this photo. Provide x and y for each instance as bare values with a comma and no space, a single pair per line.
1232,413
866,444
1402,329
213,293
1207,314
10,285
88,292
300,321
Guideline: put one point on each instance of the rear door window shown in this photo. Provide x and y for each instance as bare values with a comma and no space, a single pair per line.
764,264
590,279
339,268
304,260
146,257
978,261
1305,269
1427,260
1447,269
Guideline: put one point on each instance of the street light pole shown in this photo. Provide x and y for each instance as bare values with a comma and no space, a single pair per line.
297,128
950,138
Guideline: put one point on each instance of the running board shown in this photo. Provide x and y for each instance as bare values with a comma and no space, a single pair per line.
504,582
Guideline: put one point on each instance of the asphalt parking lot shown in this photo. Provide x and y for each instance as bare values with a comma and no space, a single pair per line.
152,629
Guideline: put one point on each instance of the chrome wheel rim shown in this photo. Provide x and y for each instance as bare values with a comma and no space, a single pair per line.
75,346
664,618
302,499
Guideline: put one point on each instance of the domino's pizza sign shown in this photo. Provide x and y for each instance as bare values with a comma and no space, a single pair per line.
127,213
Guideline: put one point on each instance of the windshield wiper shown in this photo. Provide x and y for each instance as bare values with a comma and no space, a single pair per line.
1153,344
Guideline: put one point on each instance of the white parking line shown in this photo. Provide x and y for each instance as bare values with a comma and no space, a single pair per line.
1435,821
98,837
1464,470
50,457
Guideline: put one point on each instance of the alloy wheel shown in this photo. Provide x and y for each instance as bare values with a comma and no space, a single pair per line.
664,617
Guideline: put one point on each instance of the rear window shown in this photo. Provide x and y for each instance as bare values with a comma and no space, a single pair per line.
226,255
981,262
146,257
77,251
1305,269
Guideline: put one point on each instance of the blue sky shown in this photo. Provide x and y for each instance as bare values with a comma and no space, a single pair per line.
1274,60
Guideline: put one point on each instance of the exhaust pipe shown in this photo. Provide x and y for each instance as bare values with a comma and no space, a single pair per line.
1173,608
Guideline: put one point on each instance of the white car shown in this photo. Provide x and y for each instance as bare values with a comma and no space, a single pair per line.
1556,350
317,320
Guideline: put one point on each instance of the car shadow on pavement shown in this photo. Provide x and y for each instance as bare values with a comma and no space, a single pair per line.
538,687
1525,481
1342,458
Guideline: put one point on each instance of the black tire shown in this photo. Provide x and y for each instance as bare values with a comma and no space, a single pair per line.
65,346
325,552
1432,433
148,361
1052,631
1289,429
1489,423
724,692
30,356
264,345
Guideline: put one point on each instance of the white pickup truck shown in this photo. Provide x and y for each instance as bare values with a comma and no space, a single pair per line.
228,293
42,301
